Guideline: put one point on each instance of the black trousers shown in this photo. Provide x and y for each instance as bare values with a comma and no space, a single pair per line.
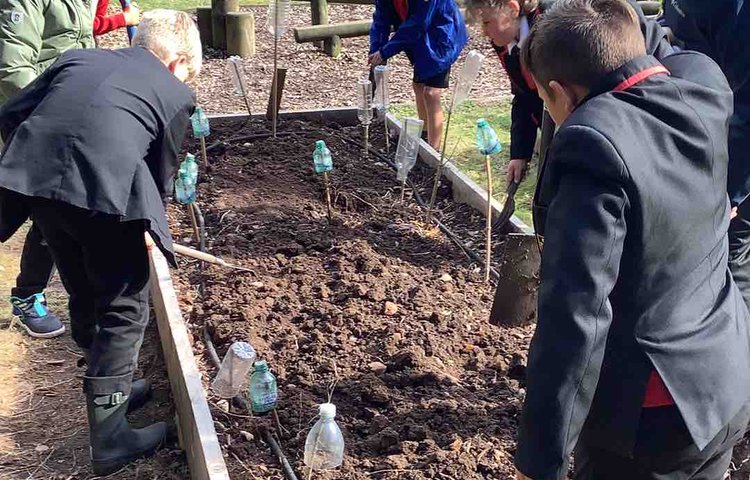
664,451
36,265
103,264
739,250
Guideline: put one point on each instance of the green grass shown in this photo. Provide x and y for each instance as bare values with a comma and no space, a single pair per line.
187,4
462,149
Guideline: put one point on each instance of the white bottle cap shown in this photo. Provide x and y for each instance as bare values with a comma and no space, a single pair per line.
327,410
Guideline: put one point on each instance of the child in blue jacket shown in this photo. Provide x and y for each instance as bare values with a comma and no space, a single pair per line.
432,34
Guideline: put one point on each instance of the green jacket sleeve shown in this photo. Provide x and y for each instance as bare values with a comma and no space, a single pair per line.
21,28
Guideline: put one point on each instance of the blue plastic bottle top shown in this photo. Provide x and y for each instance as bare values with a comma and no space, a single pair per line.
322,157
487,141
200,124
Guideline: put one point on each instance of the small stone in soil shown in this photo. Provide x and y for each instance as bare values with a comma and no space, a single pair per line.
247,436
390,308
378,368
446,277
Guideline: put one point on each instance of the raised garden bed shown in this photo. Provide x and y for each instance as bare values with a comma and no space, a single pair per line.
377,309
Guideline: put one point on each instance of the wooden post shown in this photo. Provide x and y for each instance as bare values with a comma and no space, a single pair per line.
240,34
219,10
280,80
331,45
205,26
488,231
515,297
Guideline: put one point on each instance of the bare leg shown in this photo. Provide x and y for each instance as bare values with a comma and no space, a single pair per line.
434,116
421,107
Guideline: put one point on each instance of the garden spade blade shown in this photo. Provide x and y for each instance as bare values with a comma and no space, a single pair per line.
508,209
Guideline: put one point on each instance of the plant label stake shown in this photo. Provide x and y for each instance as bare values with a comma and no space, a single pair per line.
407,149
469,72
364,109
488,145
323,163
382,99
277,14
234,64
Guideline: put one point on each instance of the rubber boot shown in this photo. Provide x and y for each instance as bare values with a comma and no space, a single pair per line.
113,443
140,392
139,395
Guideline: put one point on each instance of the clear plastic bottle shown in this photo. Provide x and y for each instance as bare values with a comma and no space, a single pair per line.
467,76
364,101
324,447
487,141
187,177
408,146
263,390
382,95
200,124
236,70
278,11
322,157
234,370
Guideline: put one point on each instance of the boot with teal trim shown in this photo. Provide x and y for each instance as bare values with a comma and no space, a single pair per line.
38,321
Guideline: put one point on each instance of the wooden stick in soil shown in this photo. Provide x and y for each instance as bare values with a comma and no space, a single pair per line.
488,246
204,152
328,196
439,171
242,88
403,190
366,138
286,467
387,137
275,85
194,223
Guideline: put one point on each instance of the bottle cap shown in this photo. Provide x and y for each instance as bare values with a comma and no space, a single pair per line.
261,366
320,144
243,350
327,410
190,156
482,122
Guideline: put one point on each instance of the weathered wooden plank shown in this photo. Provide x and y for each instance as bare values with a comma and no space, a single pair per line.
197,433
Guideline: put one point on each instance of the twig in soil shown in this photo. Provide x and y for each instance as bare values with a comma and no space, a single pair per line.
395,470
230,414
31,475
277,423
332,385
286,467
244,465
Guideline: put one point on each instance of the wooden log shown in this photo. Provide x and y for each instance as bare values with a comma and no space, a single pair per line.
516,295
323,32
280,80
196,426
205,26
319,9
240,34
219,10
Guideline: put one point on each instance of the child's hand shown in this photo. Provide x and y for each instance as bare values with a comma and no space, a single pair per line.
516,171
733,213
132,15
375,59
150,244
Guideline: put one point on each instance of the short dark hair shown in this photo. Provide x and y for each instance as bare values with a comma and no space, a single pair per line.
580,41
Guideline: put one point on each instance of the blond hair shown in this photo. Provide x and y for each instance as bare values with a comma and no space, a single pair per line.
169,34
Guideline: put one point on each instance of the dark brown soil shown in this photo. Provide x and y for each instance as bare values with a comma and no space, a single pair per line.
318,308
